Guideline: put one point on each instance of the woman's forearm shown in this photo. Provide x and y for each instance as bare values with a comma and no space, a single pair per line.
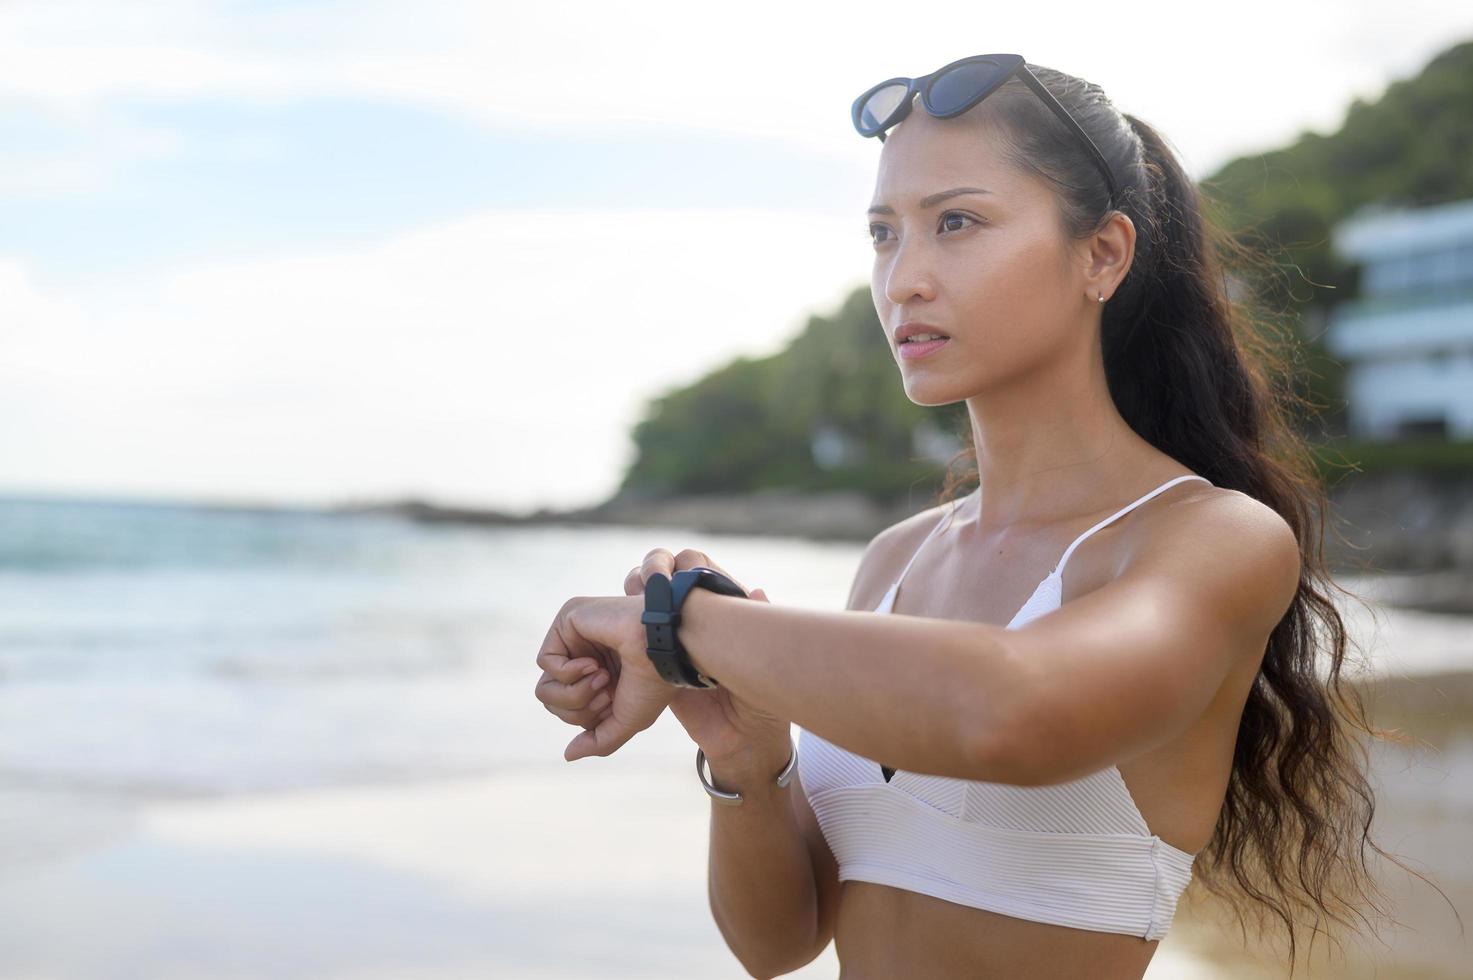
928,695
760,880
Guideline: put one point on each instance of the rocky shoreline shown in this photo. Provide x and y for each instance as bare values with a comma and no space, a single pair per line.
1415,528
834,516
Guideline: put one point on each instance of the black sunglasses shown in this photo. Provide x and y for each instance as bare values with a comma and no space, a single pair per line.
952,90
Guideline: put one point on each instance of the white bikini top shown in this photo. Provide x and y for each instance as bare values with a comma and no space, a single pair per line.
1074,854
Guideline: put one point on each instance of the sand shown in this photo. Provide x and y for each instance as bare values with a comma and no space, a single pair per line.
558,870
577,871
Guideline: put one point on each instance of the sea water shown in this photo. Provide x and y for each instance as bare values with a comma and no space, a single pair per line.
177,650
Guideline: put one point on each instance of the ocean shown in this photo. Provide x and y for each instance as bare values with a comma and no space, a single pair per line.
176,650
180,651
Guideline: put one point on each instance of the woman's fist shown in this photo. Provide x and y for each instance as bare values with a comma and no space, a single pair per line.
575,690
606,629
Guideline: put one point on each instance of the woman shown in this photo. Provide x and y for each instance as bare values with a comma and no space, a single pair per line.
1089,679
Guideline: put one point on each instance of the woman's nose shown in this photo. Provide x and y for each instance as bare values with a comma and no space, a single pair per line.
909,276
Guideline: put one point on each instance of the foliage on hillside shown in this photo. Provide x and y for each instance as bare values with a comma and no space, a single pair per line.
750,424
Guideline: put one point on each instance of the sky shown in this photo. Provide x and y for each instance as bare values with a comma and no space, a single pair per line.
340,252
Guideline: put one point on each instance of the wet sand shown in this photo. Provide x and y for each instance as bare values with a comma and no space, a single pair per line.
1424,816
595,868
571,872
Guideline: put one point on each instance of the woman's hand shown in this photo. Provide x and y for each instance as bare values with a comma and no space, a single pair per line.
609,628
578,685
731,732
575,690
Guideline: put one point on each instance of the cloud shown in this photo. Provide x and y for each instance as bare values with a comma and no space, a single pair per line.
43,157
782,72
498,358
534,67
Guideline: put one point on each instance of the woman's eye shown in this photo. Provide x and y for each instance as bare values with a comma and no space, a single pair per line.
955,214
875,231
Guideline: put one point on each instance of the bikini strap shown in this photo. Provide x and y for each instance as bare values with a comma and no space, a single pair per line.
896,584
1059,569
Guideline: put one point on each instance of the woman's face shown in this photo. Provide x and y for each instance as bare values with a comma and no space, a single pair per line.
991,271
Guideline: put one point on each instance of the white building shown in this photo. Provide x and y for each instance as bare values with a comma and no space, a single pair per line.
1407,344
832,447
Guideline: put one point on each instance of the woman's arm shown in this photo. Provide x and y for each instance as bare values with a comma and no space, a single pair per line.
760,881
913,692
1104,677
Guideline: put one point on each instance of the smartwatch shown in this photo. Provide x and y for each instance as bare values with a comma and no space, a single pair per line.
663,598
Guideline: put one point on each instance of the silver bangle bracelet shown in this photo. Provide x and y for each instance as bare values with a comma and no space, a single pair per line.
735,799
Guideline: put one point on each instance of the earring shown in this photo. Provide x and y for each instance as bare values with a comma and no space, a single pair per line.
1101,297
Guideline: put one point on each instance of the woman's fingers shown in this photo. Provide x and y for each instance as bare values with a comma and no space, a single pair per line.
589,716
665,562
580,704
659,560
563,667
580,694
573,689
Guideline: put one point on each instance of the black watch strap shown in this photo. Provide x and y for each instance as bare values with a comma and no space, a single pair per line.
663,598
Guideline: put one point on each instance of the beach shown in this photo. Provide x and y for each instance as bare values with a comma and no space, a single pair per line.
552,870
595,868
300,746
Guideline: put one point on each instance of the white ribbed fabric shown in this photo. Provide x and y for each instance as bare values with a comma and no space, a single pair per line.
1074,854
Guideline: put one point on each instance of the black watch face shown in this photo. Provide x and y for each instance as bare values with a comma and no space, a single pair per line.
717,582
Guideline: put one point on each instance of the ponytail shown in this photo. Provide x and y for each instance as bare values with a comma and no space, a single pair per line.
1202,374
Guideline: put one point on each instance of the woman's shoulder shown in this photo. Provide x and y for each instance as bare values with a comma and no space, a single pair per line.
1205,512
1234,533
887,552
910,531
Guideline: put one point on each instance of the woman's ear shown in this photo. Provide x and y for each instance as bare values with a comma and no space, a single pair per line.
1111,251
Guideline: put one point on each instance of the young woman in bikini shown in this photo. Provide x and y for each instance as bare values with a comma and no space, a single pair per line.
1055,699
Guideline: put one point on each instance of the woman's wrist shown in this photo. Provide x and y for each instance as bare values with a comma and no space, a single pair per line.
752,768
697,603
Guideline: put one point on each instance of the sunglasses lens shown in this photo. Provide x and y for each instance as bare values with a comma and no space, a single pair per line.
965,83
880,106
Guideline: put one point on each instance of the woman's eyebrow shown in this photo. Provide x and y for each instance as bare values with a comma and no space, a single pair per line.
931,201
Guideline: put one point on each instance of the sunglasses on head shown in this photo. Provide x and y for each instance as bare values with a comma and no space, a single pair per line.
955,88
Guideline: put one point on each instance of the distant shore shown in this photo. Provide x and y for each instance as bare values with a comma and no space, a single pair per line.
838,515
1414,531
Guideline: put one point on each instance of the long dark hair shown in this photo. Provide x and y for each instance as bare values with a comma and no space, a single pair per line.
1201,373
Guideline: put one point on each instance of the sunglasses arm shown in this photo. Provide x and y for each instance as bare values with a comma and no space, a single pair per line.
1031,80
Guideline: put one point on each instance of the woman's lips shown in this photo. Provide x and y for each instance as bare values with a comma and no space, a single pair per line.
920,348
